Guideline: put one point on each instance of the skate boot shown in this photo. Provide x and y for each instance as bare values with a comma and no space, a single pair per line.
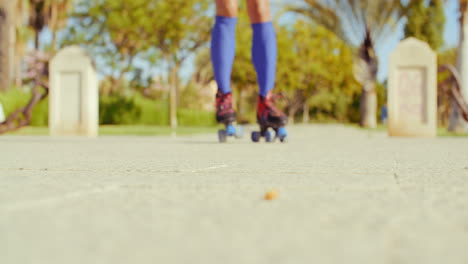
226,115
269,116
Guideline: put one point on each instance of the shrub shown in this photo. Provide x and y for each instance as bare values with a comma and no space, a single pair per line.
114,110
188,117
117,109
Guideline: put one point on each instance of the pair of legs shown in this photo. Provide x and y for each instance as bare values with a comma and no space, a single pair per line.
264,49
264,55
259,10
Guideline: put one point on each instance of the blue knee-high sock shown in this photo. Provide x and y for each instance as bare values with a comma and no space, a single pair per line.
264,55
223,50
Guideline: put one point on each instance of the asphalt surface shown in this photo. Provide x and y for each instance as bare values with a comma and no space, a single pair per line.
344,195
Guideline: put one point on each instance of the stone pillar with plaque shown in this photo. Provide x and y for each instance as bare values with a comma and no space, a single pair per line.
73,103
412,90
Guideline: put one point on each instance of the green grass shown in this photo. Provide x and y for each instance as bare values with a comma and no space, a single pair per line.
130,130
153,130
441,131
143,130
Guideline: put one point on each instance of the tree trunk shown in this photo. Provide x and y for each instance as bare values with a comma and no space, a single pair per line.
291,113
36,39
18,72
368,106
173,96
457,123
305,114
240,105
5,44
53,44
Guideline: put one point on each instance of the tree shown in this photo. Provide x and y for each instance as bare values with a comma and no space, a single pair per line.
6,48
444,101
364,25
51,14
114,32
22,36
39,14
457,124
426,22
121,32
315,72
37,75
183,28
58,14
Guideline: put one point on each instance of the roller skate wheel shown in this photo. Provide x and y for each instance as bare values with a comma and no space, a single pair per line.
282,134
240,132
230,130
269,136
256,136
222,136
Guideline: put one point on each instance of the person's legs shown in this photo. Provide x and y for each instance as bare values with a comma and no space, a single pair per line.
264,56
223,44
227,8
264,46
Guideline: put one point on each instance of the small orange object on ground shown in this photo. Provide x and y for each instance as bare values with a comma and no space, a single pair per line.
271,195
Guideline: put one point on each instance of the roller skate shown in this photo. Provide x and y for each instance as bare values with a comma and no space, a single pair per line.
269,117
225,114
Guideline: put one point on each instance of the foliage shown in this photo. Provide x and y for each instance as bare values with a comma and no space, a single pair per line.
444,101
426,21
117,110
362,24
136,130
190,117
321,70
130,36
115,33
113,110
326,57
138,110
14,99
42,14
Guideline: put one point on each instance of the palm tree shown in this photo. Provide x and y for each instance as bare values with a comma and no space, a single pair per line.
362,24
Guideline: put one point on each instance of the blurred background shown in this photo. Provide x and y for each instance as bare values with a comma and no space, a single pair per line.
144,49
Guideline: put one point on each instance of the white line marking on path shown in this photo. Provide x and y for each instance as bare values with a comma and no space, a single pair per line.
211,168
56,199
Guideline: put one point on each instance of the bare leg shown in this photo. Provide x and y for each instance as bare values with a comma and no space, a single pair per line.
227,8
259,11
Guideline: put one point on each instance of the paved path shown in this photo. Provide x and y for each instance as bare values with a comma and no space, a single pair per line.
345,196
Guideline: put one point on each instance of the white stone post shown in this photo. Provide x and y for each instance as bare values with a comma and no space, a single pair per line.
412,90
73,103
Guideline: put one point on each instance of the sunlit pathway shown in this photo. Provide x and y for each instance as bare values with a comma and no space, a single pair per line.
345,196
